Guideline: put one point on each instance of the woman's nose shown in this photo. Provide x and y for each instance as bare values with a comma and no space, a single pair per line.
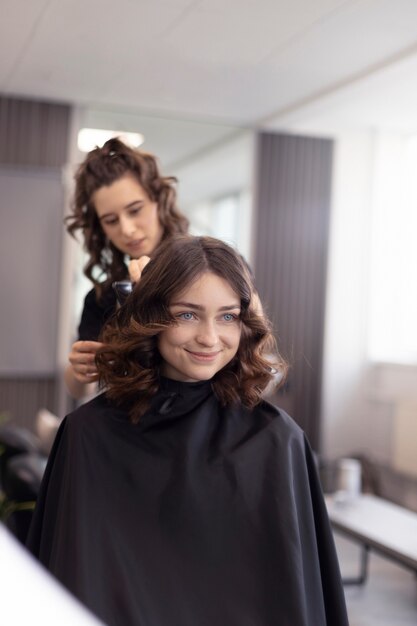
207,334
127,226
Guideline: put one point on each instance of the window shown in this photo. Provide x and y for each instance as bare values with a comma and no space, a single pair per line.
393,279
227,218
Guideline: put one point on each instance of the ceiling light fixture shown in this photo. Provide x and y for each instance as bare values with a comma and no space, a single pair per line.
90,138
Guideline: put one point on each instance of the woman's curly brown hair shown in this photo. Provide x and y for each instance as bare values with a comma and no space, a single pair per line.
129,365
102,167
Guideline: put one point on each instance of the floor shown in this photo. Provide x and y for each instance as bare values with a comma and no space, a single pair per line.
388,598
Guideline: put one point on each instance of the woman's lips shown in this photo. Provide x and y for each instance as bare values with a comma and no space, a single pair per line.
136,244
204,357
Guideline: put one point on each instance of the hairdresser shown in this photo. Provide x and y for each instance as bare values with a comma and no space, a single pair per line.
124,209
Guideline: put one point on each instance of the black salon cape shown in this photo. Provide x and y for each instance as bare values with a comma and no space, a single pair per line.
197,516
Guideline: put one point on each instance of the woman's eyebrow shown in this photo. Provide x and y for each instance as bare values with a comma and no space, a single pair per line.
138,201
198,307
102,217
128,206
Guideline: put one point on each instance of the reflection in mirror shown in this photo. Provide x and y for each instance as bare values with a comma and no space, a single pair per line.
213,165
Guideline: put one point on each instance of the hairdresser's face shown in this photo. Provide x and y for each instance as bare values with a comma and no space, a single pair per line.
128,217
207,333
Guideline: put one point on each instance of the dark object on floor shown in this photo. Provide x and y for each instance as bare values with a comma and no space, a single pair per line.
21,469
21,484
15,440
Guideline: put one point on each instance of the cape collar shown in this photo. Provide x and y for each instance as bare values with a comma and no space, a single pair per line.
176,398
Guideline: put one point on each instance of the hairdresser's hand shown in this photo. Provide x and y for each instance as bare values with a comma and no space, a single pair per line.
82,359
136,268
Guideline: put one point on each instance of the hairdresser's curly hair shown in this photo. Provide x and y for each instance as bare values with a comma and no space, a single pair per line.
129,364
102,167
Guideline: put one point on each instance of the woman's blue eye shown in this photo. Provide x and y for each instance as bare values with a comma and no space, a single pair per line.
186,316
229,317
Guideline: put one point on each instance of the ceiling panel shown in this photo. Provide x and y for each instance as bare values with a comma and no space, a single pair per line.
386,100
18,21
79,47
233,62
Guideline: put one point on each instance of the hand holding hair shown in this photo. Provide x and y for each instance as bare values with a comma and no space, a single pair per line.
82,359
136,267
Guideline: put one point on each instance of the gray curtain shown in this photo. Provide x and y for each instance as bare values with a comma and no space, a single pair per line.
33,150
33,133
292,207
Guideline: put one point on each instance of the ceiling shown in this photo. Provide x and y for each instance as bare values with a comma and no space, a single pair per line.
189,72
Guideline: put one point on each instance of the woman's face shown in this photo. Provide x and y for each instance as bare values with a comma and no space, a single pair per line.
128,217
207,332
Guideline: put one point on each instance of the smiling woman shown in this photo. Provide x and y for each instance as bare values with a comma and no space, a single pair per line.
179,497
191,317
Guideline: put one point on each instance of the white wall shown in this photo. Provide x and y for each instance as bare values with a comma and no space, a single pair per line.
347,295
220,171
368,407
73,284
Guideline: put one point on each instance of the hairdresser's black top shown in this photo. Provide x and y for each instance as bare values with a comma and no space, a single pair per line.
197,516
96,313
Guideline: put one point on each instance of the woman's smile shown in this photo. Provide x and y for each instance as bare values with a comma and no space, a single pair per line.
203,356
